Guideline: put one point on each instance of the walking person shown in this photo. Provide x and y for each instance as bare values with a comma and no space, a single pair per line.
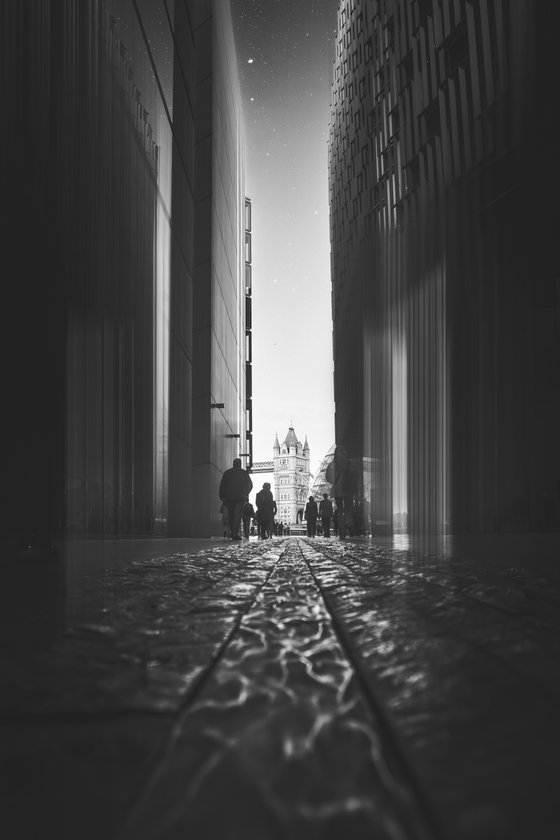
343,478
311,514
358,514
326,513
235,487
266,510
224,515
248,514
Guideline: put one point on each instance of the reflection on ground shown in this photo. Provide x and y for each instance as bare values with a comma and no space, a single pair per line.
286,688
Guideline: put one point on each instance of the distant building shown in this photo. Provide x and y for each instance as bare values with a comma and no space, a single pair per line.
291,477
320,483
443,150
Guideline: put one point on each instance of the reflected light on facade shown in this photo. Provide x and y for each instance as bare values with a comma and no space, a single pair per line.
444,280
162,325
124,173
400,430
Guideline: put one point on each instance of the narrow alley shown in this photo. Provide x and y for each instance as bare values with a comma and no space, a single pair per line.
285,688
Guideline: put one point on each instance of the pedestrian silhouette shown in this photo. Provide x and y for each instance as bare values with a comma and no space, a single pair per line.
224,515
235,487
358,516
266,510
248,514
326,513
311,514
342,475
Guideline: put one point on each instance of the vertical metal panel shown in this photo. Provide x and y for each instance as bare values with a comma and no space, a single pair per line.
103,114
454,283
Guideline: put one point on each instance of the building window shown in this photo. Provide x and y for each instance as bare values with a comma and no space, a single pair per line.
432,119
390,33
395,121
412,175
407,69
457,50
424,10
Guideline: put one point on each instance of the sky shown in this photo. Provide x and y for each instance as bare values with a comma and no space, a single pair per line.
285,52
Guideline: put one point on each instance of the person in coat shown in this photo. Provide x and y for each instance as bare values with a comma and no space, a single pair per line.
344,480
311,514
235,487
266,511
326,513
248,514
224,515
335,522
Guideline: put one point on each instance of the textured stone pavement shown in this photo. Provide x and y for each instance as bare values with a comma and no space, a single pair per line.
284,689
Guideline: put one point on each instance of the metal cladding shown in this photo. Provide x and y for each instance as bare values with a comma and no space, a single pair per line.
445,294
124,254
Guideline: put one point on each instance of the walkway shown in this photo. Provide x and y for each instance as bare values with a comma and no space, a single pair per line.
292,689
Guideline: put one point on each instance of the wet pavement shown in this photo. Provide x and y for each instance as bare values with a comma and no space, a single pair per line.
284,689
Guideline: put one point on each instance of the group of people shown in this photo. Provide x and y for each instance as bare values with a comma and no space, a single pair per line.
323,518
313,512
345,517
238,513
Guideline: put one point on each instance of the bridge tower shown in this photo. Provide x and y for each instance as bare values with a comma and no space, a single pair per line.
291,477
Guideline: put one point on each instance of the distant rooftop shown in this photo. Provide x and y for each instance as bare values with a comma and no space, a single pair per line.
291,437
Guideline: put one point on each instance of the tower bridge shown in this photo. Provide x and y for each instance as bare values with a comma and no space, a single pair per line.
290,466
263,467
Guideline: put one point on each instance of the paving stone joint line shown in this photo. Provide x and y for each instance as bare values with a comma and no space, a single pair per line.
401,755
190,698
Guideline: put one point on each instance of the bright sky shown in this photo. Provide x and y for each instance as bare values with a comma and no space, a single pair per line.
285,51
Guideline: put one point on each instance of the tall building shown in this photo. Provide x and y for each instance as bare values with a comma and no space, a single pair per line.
442,153
248,454
124,245
291,460
222,252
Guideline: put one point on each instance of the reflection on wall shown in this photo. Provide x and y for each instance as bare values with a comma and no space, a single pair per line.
98,351
219,434
320,484
445,297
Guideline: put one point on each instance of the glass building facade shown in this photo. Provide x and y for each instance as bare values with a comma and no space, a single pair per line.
320,484
110,155
443,153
